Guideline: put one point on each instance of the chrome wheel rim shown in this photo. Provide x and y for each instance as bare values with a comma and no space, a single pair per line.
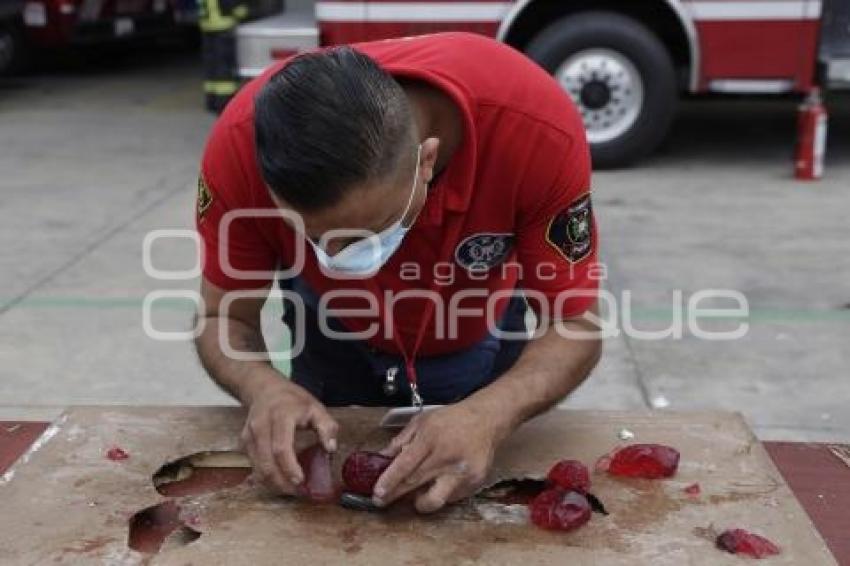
607,90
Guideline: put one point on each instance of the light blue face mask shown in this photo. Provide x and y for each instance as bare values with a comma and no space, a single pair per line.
367,255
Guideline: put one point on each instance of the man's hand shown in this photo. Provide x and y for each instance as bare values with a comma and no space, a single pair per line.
276,409
449,450
276,406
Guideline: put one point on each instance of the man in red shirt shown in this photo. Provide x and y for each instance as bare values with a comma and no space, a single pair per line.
416,197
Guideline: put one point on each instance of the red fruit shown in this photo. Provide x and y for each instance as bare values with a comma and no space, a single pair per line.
570,475
649,461
693,490
739,541
361,471
116,454
318,484
560,510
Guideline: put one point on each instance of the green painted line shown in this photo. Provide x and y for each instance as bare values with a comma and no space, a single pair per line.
165,303
755,315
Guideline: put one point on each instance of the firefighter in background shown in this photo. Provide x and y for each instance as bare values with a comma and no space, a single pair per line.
218,20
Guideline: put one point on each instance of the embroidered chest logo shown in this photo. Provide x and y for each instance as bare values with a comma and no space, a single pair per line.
571,231
480,252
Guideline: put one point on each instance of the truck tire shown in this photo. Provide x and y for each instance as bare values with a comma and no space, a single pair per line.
620,76
12,55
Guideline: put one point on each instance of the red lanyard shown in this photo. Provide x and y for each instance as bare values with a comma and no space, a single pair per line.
452,232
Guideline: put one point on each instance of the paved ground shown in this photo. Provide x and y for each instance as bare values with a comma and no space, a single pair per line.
94,159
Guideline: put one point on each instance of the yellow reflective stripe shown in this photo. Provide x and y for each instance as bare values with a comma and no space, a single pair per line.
213,20
220,88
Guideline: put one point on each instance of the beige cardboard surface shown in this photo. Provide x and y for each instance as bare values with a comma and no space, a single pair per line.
65,503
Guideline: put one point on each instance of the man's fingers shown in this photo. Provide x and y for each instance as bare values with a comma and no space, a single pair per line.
326,427
249,443
263,459
391,484
283,449
432,467
400,440
439,493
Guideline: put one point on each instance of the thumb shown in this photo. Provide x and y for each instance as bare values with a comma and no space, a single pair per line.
400,440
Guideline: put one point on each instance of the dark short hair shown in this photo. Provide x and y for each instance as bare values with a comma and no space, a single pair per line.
327,121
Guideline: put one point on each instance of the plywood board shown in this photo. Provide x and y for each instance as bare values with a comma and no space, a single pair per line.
65,503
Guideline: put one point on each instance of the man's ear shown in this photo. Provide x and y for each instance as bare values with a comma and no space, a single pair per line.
428,158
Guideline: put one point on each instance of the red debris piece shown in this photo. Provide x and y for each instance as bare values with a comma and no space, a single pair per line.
739,541
116,454
649,461
570,475
693,490
318,484
361,471
559,510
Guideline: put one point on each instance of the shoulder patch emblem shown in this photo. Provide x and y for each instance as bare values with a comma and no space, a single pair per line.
205,197
480,252
571,230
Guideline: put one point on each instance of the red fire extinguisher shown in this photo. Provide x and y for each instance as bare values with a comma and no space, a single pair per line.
811,138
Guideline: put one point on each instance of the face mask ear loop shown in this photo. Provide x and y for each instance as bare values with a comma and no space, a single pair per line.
415,180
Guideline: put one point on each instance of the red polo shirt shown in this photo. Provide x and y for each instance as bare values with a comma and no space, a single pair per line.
511,209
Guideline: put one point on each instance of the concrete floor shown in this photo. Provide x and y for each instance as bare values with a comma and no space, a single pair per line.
93,159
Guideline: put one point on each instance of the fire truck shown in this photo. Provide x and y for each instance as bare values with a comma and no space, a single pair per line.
625,63
29,25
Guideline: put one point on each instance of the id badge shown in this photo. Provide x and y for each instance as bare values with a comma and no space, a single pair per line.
398,417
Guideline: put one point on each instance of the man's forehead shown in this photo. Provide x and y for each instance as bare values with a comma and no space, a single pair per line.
370,205
361,208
